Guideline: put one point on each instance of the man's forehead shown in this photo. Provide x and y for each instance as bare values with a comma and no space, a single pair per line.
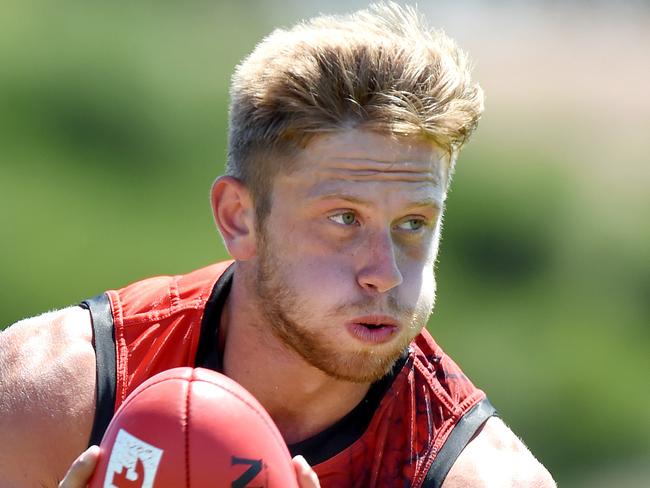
353,169
364,156
365,190
356,144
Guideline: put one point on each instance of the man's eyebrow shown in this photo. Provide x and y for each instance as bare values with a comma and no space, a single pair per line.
424,202
334,195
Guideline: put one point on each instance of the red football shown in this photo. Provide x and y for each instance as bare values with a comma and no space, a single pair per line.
192,428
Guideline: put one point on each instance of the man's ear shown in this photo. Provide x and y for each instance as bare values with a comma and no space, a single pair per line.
234,214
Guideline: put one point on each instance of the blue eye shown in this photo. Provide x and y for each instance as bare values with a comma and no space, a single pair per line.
344,218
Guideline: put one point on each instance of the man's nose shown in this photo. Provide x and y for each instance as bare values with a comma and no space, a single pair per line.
378,270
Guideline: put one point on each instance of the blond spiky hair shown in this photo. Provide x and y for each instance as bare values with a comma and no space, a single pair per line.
380,69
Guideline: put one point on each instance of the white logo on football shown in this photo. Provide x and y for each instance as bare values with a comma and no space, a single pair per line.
133,463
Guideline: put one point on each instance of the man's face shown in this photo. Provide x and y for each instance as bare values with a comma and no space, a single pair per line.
346,255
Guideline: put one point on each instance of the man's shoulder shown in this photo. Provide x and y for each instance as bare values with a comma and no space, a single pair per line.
47,385
45,341
496,457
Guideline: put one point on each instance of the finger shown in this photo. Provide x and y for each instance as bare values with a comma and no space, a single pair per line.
306,476
81,469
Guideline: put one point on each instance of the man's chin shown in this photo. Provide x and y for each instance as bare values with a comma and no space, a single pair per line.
360,368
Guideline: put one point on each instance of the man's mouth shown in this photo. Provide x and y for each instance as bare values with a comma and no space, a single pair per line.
376,321
373,328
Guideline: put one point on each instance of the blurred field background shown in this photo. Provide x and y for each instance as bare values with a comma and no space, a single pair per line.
113,125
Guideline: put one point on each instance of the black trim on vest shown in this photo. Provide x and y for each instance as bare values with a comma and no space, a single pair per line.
352,426
105,353
461,434
208,354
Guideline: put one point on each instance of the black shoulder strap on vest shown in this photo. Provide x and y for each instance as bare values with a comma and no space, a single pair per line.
104,344
208,354
460,436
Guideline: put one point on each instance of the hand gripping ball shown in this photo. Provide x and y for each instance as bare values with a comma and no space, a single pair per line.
192,428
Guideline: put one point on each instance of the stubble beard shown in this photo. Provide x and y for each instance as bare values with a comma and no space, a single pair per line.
279,304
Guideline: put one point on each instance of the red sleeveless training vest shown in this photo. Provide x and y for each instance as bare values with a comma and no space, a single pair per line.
422,421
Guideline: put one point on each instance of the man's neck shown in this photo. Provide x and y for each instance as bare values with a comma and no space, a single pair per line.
302,400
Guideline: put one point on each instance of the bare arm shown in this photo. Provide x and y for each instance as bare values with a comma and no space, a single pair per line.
495,457
47,396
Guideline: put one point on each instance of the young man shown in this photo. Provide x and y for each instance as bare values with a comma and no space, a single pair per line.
343,136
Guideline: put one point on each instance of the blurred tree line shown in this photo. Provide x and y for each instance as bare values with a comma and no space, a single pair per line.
113,126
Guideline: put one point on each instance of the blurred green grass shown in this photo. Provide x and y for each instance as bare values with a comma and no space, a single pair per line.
113,126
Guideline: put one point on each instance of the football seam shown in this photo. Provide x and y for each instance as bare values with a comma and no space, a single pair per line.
272,427
131,397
